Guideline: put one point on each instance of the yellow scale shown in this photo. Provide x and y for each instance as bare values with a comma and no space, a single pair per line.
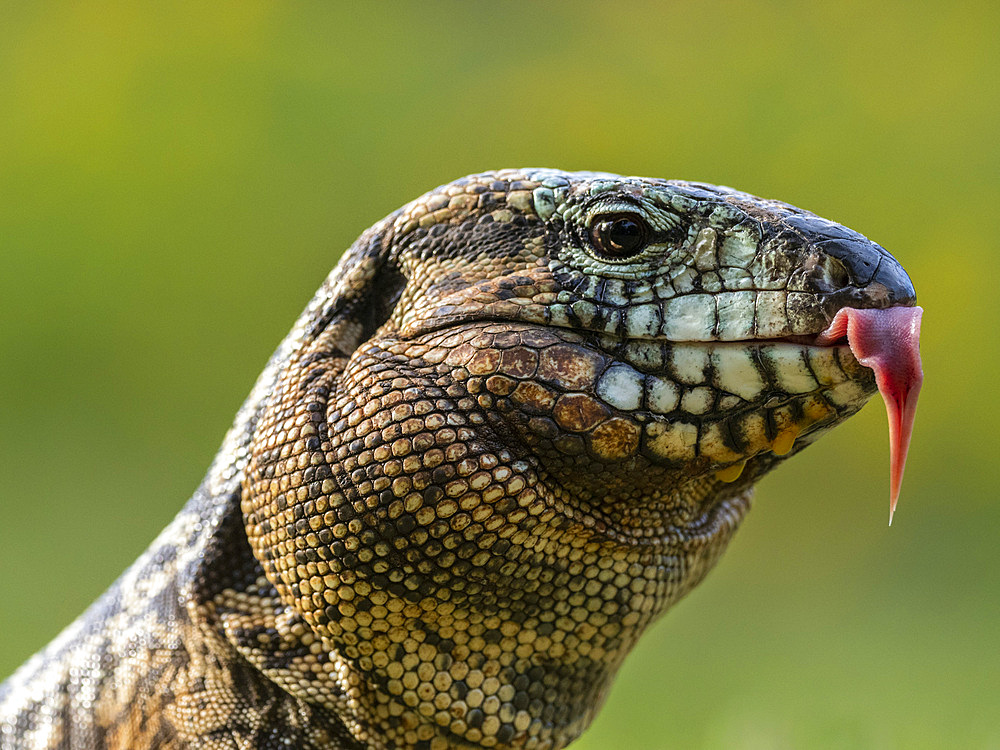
782,444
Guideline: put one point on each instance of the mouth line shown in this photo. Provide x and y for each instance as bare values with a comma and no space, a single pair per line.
813,339
818,339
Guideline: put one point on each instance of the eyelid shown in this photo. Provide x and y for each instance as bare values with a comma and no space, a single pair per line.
601,210
657,218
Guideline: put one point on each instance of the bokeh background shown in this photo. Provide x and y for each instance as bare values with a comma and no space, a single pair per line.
177,178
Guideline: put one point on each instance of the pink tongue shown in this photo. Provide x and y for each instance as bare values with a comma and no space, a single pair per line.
888,341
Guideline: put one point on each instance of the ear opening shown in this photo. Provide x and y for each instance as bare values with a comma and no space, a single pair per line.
358,296
387,287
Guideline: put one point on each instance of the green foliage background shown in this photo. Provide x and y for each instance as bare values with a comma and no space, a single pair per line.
177,178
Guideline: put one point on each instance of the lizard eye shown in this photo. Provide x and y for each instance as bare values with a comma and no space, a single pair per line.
619,236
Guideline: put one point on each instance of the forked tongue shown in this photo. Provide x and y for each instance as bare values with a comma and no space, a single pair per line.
887,341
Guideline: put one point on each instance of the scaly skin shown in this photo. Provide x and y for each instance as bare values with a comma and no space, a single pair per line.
507,433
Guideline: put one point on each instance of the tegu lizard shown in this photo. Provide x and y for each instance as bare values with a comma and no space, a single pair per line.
520,419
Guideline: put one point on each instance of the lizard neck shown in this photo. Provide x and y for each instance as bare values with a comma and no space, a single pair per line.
435,567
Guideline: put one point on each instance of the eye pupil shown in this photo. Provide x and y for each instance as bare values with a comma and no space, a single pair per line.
624,234
619,236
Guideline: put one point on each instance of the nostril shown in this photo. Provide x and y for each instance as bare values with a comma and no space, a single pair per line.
859,259
835,273
821,273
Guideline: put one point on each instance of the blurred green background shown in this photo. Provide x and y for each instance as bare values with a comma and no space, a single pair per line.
177,178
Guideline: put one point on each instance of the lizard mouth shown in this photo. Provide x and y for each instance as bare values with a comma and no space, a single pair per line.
886,341
697,387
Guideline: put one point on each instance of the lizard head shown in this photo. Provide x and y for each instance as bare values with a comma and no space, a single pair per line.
525,418
693,313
